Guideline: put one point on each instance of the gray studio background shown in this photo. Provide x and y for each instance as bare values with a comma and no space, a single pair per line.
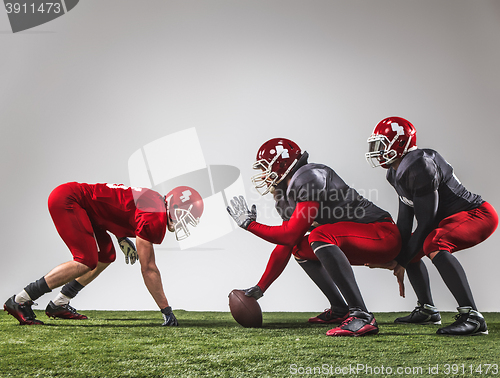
80,94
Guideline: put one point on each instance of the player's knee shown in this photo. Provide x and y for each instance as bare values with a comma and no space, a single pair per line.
431,255
89,262
318,245
431,243
317,236
298,255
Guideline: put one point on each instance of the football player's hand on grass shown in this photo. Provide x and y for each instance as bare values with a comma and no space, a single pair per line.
240,213
169,317
128,249
254,291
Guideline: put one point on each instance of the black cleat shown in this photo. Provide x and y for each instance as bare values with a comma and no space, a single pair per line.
22,312
468,323
422,314
63,312
329,316
169,317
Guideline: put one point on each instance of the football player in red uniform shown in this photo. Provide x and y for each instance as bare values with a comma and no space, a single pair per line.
345,229
83,215
449,219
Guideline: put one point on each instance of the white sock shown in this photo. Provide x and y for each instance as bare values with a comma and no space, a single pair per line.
22,297
61,299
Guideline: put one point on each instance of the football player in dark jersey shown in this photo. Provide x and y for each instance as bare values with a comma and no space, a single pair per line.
449,219
83,215
345,229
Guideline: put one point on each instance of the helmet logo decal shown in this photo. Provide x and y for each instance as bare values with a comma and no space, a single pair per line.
399,129
282,151
186,195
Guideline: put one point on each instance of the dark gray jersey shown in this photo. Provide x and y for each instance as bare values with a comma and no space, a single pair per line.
423,171
338,202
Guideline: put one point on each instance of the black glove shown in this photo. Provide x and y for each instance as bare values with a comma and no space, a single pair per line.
168,317
241,215
254,291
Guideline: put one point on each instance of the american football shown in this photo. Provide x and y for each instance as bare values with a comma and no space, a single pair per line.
245,310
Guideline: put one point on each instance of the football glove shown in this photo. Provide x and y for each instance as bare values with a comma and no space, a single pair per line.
254,291
128,249
240,213
168,317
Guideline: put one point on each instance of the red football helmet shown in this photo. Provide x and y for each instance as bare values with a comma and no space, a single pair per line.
184,206
275,158
391,139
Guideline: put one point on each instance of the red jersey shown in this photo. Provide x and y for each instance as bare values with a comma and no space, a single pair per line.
125,211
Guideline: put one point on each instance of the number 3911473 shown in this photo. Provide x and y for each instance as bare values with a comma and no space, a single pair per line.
33,8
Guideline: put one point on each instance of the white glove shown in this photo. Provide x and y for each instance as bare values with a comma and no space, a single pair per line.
128,249
240,213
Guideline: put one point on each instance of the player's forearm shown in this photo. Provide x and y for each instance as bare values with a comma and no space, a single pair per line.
150,272
277,262
405,224
415,244
405,235
412,248
425,208
280,235
290,232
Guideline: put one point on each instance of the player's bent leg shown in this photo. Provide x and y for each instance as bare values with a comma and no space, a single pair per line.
468,322
453,275
66,272
419,279
87,278
339,269
60,307
307,260
338,310
425,312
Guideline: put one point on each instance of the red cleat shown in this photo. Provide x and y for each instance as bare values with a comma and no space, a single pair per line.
359,323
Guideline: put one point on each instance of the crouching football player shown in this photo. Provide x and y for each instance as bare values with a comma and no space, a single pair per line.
83,215
345,229
449,219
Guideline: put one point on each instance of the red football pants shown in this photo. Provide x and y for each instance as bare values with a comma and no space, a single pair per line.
87,244
362,243
462,230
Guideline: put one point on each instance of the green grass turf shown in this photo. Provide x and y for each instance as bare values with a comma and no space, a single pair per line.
211,344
